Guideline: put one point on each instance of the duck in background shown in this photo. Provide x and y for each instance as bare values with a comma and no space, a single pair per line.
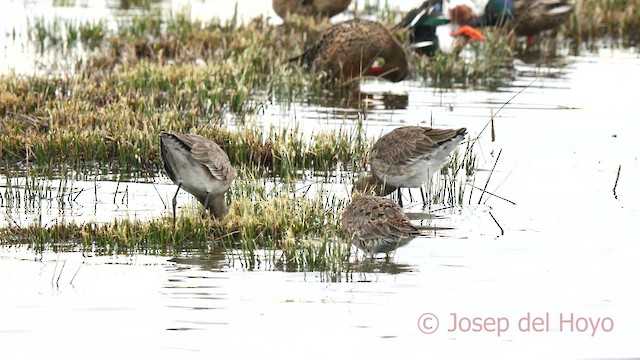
355,48
448,25
321,8
421,24
535,16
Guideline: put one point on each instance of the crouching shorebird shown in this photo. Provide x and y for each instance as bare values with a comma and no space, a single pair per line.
377,225
408,157
200,167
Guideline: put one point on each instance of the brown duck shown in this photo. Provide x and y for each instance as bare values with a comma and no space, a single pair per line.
321,8
535,16
354,48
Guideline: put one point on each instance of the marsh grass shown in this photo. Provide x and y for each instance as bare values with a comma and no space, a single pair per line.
487,64
113,126
58,35
271,224
609,20
296,231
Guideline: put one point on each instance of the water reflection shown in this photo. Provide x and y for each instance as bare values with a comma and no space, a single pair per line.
217,260
380,266
47,201
223,260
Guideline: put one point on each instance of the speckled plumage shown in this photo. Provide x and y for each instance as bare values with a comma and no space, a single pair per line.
377,225
348,49
535,16
200,167
408,157
323,8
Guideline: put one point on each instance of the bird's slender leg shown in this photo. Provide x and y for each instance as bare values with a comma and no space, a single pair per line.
206,205
399,197
175,203
424,198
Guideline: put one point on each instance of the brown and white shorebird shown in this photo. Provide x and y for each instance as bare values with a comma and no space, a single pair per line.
408,157
354,48
323,8
199,166
377,225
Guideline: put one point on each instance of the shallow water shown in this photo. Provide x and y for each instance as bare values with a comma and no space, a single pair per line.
569,245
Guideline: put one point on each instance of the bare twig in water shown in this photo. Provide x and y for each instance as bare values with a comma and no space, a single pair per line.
494,115
74,275
428,228
502,107
492,194
615,186
496,221
498,187
115,194
78,194
489,178
159,195
493,129
55,268
472,187
64,262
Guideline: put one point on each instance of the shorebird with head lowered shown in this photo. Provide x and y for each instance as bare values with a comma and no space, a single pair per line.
377,225
408,157
199,166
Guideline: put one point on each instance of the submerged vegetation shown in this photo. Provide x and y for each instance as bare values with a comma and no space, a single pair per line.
154,73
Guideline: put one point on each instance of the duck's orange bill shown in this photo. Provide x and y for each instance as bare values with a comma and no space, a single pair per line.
470,32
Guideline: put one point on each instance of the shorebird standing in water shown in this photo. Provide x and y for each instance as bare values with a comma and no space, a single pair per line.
199,166
377,225
408,157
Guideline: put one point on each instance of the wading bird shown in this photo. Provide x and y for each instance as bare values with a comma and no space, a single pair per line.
408,157
377,225
200,167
